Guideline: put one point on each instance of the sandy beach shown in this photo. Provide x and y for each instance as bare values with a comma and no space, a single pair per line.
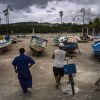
88,71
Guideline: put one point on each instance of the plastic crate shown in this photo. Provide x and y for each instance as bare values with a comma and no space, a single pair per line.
69,69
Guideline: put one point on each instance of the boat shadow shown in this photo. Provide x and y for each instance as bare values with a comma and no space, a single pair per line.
93,58
41,55
4,51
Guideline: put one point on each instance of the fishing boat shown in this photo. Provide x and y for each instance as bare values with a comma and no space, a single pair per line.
96,38
69,43
70,46
5,42
85,39
96,49
56,40
38,45
96,45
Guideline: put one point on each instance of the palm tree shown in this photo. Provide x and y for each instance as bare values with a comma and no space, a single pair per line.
6,13
83,11
97,24
61,14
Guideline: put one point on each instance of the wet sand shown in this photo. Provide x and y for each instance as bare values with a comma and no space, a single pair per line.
88,71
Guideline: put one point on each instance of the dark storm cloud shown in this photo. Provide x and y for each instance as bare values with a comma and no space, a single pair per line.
53,9
24,4
48,11
21,4
85,1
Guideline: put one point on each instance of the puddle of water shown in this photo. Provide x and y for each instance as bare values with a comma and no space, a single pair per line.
66,89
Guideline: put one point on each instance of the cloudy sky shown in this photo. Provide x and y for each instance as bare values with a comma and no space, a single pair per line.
48,10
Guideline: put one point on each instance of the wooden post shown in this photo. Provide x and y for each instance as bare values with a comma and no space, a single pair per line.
87,30
93,31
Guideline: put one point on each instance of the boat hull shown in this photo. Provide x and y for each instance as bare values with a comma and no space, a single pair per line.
37,48
96,49
5,45
71,46
38,45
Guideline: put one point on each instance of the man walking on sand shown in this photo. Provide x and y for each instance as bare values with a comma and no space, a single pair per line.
21,64
59,56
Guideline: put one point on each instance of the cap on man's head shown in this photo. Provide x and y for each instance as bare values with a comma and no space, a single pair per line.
61,45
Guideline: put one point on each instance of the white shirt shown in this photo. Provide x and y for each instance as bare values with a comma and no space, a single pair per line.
59,58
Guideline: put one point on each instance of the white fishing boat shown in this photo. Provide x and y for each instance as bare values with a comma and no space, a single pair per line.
38,45
5,42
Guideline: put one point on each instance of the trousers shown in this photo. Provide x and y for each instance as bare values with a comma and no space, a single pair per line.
25,84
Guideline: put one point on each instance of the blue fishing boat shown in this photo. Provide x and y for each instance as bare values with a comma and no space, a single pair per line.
38,45
97,38
96,49
70,46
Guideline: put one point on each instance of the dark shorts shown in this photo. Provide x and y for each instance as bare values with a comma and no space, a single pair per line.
58,71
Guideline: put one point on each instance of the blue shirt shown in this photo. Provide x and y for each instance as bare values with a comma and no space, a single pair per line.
22,63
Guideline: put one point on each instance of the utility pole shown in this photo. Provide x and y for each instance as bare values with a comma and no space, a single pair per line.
93,31
87,30
6,13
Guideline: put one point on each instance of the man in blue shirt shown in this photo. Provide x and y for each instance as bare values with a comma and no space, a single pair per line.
21,64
